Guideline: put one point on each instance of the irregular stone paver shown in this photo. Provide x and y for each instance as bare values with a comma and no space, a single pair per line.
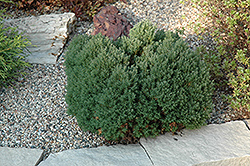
237,161
19,156
210,143
47,32
122,155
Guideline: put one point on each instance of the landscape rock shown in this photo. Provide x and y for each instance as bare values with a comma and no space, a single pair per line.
122,155
48,33
207,144
111,23
19,156
237,161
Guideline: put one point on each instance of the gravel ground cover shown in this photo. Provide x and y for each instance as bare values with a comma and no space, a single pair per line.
33,114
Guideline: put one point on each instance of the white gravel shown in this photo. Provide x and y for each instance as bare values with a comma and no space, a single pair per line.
33,114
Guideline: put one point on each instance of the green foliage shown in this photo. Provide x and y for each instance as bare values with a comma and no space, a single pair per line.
138,86
230,26
12,55
240,82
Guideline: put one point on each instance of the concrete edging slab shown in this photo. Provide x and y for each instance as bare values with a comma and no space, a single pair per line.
228,162
122,155
19,156
210,143
47,32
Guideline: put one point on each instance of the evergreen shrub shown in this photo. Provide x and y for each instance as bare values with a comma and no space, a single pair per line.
138,86
229,24
13,51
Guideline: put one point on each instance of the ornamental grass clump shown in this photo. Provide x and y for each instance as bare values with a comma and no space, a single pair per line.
13,51
138,86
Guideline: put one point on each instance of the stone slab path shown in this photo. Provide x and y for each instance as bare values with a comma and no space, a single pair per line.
118,155
209,143
19,156
213,145
47,32
242,161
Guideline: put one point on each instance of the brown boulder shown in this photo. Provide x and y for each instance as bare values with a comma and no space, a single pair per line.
111,23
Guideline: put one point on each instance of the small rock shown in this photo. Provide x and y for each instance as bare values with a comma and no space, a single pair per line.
111,23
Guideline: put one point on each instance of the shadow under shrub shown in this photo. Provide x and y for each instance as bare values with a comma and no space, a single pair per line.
136,87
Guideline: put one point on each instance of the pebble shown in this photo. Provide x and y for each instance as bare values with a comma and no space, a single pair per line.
34,113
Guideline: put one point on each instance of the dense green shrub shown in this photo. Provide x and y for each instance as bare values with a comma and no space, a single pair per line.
229,24
138,86
12,53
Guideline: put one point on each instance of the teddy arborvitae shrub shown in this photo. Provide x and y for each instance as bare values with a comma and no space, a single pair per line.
138,86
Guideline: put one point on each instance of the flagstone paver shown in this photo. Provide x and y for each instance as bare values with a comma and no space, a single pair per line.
117,155
19,156
209,143
237,161
47,32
